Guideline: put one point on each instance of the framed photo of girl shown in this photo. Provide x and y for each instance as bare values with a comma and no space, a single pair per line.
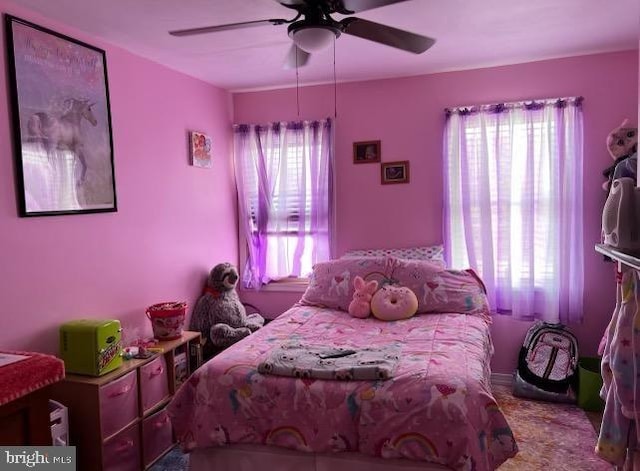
395,172
366,152
61,121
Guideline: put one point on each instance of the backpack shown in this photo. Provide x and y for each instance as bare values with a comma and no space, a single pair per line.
549,357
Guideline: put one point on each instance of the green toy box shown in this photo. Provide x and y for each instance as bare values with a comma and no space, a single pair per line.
91,346
589,385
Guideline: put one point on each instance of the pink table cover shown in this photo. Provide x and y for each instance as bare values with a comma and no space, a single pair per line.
25,376
438,407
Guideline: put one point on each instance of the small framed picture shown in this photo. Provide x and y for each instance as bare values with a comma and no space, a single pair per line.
200,149
366,152
395,172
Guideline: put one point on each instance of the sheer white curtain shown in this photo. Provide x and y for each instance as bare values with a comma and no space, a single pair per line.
513,204
284,180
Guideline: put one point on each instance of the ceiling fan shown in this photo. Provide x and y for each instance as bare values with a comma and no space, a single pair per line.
313,29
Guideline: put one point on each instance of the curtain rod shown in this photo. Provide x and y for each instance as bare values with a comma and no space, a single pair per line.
526,104
279,125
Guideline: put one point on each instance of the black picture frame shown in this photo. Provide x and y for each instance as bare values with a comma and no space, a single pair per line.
61,118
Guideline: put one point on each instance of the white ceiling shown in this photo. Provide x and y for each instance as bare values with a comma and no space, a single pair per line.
470,34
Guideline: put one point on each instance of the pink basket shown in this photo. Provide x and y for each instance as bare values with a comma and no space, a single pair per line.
167,319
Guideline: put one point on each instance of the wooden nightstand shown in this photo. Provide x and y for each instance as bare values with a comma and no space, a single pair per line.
119,421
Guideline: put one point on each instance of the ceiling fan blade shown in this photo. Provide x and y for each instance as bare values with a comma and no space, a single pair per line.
290,60
213,29
295,4
354,6
384,34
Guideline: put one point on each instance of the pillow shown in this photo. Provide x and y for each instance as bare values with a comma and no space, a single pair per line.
437,289
432,253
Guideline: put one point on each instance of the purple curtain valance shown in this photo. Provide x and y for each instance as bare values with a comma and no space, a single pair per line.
277,126
506,107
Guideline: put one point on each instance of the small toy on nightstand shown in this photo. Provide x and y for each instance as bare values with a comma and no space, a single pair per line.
141,349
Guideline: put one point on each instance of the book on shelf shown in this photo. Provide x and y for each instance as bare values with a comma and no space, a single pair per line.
195,355
180,369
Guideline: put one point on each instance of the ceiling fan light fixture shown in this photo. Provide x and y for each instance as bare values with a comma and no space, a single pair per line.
314,38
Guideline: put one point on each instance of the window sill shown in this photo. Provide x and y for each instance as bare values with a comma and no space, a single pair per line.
288,286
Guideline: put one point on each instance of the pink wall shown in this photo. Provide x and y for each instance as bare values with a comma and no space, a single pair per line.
174,221
407,115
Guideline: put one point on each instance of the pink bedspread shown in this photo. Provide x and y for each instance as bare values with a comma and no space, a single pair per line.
438,406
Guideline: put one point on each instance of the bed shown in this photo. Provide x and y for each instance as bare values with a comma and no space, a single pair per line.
436,412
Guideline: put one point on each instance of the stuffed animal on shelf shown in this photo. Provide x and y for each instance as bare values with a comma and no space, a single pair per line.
393,303
219,315
622,144
360,307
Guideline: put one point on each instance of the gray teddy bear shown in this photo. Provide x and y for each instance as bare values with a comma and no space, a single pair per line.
219,315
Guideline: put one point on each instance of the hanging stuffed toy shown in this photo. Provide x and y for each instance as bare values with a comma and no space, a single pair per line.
622,144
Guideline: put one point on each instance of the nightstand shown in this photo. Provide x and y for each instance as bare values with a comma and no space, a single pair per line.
119,421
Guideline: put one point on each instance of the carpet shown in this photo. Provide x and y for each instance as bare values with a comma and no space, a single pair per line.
558,437
175,460
555,437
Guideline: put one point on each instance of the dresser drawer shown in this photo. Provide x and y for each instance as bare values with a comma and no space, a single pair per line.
122,452
118,404
157,436
154,383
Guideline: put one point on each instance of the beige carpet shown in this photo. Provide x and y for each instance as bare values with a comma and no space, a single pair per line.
554,437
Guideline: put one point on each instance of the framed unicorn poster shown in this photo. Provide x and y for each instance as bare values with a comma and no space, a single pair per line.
62,122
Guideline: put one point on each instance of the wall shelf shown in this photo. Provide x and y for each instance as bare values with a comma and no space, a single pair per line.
626,258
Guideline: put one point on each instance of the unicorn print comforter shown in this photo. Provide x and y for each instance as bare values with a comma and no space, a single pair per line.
438,407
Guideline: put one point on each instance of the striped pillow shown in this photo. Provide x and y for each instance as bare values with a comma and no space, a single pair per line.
434,253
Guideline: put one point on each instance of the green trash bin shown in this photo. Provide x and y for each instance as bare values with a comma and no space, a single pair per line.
589,384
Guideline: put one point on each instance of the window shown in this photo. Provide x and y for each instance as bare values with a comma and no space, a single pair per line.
283,172
513,204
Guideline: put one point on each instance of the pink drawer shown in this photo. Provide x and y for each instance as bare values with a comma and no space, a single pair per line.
157,436
154,383
122,452
118,404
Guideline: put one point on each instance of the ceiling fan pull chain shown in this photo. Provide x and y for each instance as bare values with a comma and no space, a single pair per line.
297,85
335,86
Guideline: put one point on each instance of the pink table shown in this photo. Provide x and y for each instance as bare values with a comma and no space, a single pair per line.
24,388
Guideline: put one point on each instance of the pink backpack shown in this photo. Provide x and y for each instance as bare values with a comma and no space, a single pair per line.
549,357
